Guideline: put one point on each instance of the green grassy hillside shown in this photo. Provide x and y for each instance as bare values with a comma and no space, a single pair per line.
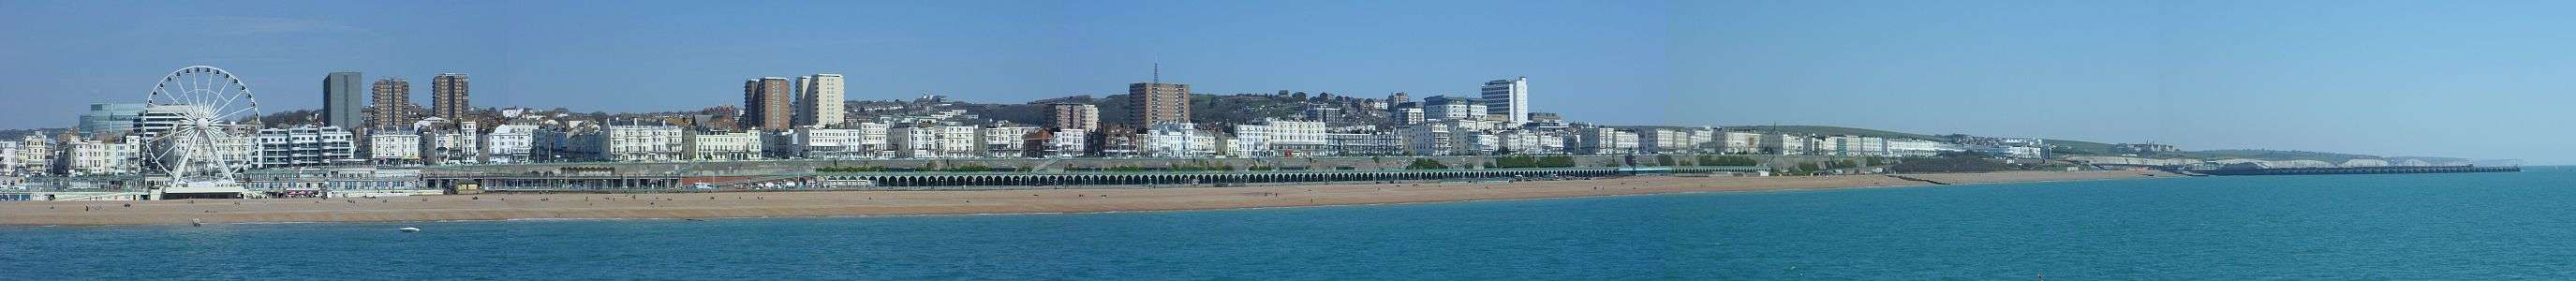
1833,130
2262,154
2073,147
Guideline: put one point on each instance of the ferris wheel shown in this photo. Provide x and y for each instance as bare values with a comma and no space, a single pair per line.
197,126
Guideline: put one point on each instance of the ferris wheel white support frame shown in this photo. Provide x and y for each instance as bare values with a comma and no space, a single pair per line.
203,128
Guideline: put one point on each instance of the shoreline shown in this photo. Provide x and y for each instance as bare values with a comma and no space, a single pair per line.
490,207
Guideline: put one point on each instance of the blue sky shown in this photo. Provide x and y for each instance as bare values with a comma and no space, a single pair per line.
2420,78
2387,78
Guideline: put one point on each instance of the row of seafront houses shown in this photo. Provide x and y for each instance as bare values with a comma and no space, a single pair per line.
71,155
328,161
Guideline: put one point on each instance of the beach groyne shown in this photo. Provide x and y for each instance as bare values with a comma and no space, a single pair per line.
1911,178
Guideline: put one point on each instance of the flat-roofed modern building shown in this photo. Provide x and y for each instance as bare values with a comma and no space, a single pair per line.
1508,97
110,119
1076,116
1453,108
307,146
392,104
448,98
821,102
341,101
767,104
1156,102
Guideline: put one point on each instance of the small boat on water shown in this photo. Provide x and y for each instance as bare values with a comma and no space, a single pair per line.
409,229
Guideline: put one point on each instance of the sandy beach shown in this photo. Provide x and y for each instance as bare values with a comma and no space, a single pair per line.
849,203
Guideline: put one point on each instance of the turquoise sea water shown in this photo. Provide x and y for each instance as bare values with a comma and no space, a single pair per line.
2439,226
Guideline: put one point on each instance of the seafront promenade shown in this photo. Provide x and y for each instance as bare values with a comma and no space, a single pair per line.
811,181
851,203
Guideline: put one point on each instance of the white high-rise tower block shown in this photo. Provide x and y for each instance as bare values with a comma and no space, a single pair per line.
819,102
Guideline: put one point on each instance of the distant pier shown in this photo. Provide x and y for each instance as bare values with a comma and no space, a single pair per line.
2355,170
